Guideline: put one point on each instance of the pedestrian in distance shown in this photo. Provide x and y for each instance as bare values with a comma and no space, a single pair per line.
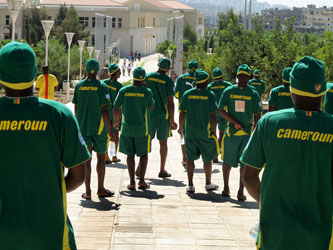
133,102
279,97
40,138
185,82
113,86
258,84
46,84
91,100
218,86
243,106
162,116
295,147
129,68
198,109
123,67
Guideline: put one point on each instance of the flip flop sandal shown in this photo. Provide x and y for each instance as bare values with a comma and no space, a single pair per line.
184,163
211,187
241,198
225,194
143,186
131,187
108,194
115,160
85,196
164,174
190,189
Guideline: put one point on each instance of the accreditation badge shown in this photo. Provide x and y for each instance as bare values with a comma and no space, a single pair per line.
239,106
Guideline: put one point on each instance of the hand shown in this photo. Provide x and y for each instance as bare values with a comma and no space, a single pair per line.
180,131
173,125
116,125
112,137
238,126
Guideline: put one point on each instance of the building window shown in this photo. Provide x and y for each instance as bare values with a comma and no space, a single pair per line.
7,20
136,6
84,21
113,22
120,22
104,22
92,40
143,22
200,21
153,22
93,22
138,22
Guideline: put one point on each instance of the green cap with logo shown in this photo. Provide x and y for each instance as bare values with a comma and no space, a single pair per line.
286,75
256,72
164,64
307,77
139,74
113,68
201,76
244,69
92,66
217,73
18,66
193,65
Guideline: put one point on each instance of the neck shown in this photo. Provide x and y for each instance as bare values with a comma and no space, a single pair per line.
242,85
19,93
113,78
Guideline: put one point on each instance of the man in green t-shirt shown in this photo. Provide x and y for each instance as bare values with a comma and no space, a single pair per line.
295,146
162,116
185,82
243,106
198,110
218,86
329,99
133,102
279,97
113,86
40,138
258,84
91,99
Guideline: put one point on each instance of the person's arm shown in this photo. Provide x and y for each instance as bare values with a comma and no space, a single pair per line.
252,182
106,118
75,177
75,109
256,119
213,121
171,110
116,117
227,117
182,116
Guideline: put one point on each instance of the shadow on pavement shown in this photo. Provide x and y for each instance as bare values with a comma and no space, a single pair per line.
116,165
217,198
102,205
201,170
148,194
167,182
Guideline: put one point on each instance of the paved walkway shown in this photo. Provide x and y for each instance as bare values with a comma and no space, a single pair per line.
163,217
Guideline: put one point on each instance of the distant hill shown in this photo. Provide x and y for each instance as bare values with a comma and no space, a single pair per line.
224,5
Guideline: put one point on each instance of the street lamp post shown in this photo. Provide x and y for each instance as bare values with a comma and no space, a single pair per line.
47,26
118,41
14,7
108,52
97,52
90,51
69,37
81,45
210,51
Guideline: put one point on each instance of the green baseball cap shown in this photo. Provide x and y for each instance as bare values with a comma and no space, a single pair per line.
92,66
286,75
201,76
193,65
217,73
18,66
113,68
244,69
164,64
307,77
256,72
139,74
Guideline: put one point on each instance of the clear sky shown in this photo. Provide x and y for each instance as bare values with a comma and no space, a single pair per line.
300,3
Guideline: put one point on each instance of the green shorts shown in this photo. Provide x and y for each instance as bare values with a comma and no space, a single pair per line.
221,122
207,148
134,145
161,127
99,143
232,149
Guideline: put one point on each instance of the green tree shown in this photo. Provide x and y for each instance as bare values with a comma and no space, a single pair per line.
61,14
190,34
34,28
